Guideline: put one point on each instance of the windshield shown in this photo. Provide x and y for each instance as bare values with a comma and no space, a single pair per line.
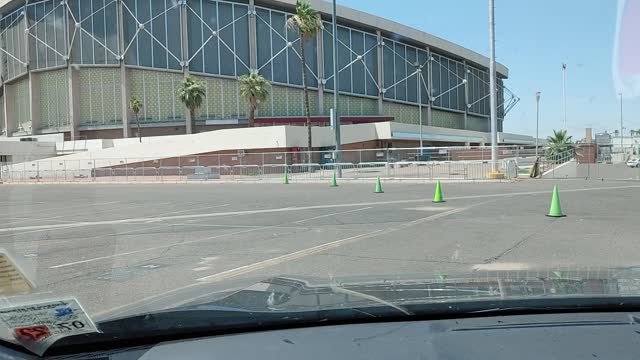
161,156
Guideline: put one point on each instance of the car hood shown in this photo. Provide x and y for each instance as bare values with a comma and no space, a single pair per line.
297,293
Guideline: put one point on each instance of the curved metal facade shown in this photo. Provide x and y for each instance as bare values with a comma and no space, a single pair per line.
71,66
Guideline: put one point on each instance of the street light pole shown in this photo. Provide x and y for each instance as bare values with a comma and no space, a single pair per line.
336,116
492,88
537,119
621,128
564,94
418,78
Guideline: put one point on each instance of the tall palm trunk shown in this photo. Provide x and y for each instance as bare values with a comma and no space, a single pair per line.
307,114
138,124
252,113
193,120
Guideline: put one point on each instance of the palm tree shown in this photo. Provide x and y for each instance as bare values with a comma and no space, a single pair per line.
307,23
135,105
559,143
192,93
254,89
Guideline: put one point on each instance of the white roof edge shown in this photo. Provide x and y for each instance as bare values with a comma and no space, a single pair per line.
386,25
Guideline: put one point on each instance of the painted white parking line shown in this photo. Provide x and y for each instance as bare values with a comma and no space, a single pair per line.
189,242
72,214
428,208
320,248
500,267
187,210
68,207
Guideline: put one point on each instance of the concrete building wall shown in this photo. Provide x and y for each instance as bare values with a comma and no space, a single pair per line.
18,109
20,151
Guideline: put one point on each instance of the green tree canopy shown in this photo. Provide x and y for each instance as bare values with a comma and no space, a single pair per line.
192,93
254,89
135,105
307,22
559,143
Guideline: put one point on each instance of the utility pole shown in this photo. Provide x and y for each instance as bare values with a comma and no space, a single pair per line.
564,94
537,119
336,116
492,88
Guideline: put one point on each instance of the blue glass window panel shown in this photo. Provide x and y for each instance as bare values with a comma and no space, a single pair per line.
412,85
295,66
241,29
129,33
159,31
195,36
49,33
111,34
210,17
344,58
357,69
227,60
263,40
400,72
437,87
371,61
99,32
327,47
389,74
86,43
174,38
280,72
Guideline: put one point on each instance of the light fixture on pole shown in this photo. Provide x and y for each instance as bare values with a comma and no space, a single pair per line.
537,119
336,116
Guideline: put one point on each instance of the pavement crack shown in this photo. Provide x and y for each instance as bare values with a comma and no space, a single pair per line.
518,244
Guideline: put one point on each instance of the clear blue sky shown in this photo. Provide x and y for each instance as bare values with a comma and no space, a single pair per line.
533,39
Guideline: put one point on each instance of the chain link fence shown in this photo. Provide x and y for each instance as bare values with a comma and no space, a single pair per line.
460,163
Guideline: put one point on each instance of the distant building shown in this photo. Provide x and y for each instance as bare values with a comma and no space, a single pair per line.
71,66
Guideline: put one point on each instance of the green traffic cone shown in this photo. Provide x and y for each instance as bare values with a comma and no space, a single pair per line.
286,177
437,197
334,182
555,210
378,186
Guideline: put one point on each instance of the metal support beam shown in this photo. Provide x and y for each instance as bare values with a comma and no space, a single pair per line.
73,101
73,86
253,45
466,94
380,73
492,87
124,81
34,84
185,64
430,83
320,70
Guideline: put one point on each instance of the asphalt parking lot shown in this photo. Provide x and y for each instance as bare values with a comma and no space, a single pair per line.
115,245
